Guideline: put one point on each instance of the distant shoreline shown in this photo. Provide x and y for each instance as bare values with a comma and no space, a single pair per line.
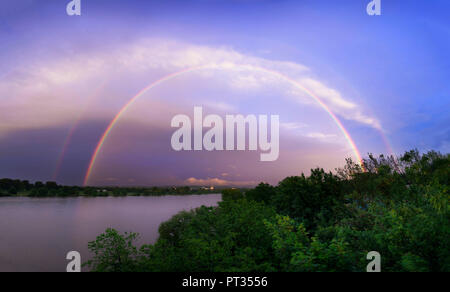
19,188
108,196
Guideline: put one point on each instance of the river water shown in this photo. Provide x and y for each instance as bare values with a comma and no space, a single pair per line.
36,234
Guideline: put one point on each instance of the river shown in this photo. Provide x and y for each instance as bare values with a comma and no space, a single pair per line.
36,234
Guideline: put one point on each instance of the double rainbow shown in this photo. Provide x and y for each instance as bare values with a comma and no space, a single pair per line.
293,82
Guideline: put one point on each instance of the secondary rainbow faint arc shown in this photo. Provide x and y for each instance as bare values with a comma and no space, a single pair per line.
191,69
72,130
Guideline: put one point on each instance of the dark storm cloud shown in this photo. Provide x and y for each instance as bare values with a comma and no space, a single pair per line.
33,154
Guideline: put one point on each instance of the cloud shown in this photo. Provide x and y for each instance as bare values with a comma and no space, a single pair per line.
45,93
218,182
321,136
293,125
334,100
220,106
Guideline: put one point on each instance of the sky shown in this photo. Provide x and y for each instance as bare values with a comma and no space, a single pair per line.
343,83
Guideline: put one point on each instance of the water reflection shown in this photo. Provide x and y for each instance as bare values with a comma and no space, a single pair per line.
36,234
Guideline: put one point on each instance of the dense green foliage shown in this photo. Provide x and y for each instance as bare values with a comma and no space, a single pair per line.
10,187
114,252
321,222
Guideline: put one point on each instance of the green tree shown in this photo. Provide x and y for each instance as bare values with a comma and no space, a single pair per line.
310,199
231,194
262,193
230,237
113,252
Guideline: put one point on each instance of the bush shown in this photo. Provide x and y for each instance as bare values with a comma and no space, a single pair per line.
231,194
262,193
113,252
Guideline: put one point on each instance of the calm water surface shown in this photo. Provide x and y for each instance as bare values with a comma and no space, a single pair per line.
36,234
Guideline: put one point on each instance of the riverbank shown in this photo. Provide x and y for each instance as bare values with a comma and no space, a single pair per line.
100,193
23,188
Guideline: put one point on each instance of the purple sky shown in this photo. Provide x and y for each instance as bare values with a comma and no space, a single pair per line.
64,79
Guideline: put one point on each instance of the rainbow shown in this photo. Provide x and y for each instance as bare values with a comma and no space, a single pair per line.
73,129
114,121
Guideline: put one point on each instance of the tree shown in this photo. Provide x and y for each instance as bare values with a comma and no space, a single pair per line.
231,194
113,252
310,199
12,190
51,185
262,193
39,192
297,251
230,237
